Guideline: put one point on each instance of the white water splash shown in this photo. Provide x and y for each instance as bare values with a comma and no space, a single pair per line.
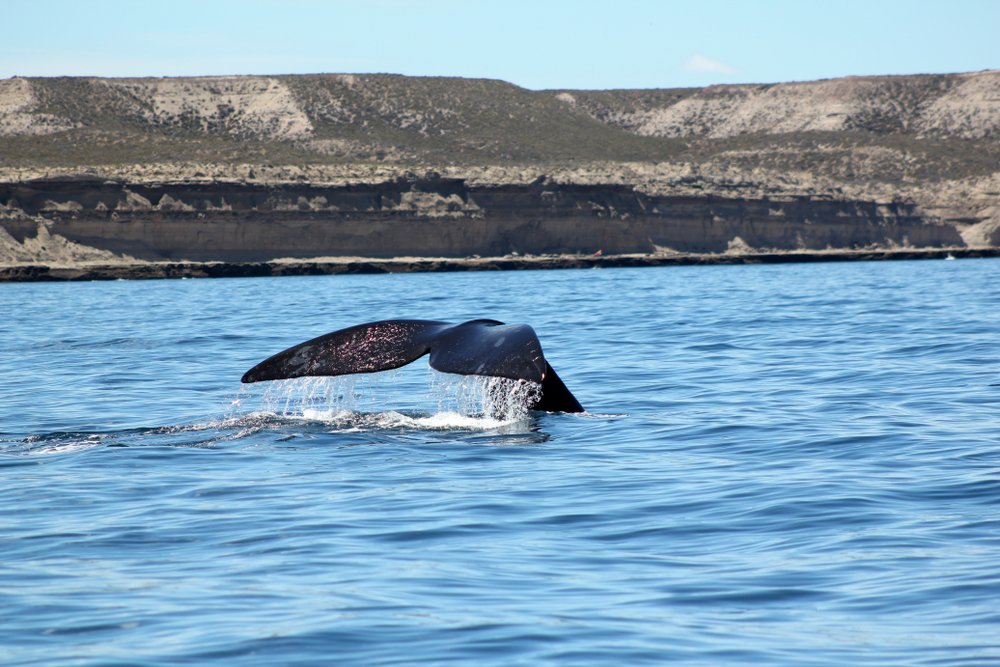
500,398
387,401
325,394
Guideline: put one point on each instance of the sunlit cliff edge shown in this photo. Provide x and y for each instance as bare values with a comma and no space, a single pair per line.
249,168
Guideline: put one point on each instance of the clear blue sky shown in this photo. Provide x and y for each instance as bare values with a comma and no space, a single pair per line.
533,43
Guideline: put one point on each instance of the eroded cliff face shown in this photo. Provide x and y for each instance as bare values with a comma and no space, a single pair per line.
443,217
248,168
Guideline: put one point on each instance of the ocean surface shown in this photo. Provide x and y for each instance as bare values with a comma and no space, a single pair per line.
779,465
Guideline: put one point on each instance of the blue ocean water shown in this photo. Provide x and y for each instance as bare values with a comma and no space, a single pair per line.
782,465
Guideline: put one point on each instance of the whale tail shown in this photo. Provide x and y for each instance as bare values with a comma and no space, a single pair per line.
556,397
477,347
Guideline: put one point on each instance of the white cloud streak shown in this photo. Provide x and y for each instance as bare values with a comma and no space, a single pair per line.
700,63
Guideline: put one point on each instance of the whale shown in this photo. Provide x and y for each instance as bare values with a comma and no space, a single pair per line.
478,347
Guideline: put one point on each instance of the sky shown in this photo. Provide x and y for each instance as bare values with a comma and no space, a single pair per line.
537,44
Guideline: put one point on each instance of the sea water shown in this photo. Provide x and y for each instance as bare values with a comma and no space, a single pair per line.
782,465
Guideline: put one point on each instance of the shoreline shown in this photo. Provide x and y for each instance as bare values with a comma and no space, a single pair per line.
150,270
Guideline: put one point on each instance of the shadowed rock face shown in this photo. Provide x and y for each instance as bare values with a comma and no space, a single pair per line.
442,218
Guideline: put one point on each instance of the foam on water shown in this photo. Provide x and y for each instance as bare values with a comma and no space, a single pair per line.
442,421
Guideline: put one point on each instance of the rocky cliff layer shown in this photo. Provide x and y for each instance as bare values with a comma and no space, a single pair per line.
444,217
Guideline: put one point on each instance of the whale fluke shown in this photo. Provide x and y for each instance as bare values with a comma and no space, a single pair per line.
477,347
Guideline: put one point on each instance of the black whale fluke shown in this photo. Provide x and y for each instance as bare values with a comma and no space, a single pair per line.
477,347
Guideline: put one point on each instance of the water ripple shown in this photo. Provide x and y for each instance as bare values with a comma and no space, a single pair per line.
791,465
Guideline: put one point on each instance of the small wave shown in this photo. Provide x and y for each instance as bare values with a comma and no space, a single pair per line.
50,444
176,435
609,416
711,347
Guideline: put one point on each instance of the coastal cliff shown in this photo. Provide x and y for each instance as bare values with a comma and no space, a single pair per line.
249,169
